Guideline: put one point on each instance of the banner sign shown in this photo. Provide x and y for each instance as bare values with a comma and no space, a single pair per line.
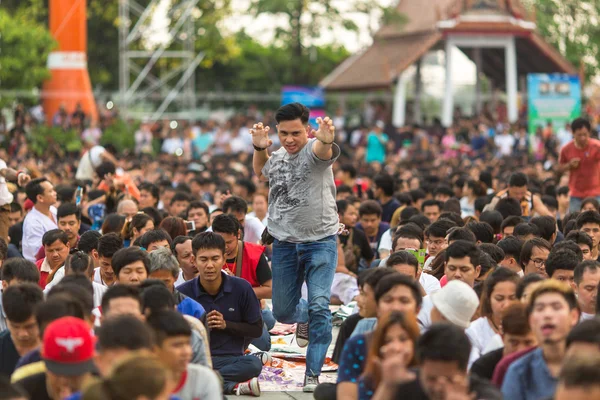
552,97
312,97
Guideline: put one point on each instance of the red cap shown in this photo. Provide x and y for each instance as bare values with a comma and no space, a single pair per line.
68,347
28,205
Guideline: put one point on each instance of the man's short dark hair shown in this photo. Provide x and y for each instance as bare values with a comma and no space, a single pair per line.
89,241
178,240
431,203
452,205
443,190
124,257
482,230
588,265
397,279
550,202
78,287
525,282
434,345
370,207
569,246
54,235
124,332
564,259
518,179
105,168
452,216
439,228
528,247
16,207
513,221
20,269
208,241
417,194
588,217
526,229
197,204
418,219
120,291
234,204
349,169
508,207
407,232
342,206
402,257
19,301
579,123
152,189
9,391
292,112
562,191
546,225
109,244
153,236
458,233
386,183
180,196
493,218
480,203
66,209
167,324
408,212
587,331
226,223
55,307
580,237
494,251
34,188
156,297
461,249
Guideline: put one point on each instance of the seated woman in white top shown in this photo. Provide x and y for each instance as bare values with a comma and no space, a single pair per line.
498,291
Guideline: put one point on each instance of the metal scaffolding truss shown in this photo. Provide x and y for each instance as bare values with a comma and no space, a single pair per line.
138,80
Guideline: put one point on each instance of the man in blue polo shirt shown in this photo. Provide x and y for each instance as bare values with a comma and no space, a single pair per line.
233,315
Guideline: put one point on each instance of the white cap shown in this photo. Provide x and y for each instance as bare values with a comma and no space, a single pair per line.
457,302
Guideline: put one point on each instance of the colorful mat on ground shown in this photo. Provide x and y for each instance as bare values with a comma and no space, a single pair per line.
284,375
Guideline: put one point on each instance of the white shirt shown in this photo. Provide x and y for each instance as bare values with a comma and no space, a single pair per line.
586,316
180,280
505,144
263,221
6,196
90,160
34,227
466,209
429,282
171,145
58,275
424,316
386,241
480,333
253,229
494,343
99,291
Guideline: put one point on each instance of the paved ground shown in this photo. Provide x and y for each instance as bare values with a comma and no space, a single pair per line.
280,396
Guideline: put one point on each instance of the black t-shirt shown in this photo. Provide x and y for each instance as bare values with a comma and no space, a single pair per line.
344,334
481,387
388,210
15,233
9,357
35,386
362,247
486,364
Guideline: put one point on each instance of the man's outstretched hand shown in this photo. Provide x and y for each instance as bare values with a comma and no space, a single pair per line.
326,131
260,136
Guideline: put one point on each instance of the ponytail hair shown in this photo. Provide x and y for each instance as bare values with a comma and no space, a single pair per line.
138,221
79,263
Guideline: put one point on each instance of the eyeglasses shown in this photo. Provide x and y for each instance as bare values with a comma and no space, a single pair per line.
539,262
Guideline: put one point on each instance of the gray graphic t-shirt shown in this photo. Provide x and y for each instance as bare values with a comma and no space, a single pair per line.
302,195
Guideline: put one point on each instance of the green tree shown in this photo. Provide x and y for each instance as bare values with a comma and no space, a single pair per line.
25,46
307,20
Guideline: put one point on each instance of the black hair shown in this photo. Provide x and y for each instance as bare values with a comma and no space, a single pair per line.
16,207
153,236
458,233
113,223
3,249
452,205
408,212
156,297
152,189
420,220
498,276
109,244
407,231
124,257
154,213
124,332
588,265
453,217
373,278
588,217
580,123
197,204
234,204
570,246
546,225
121,291
587,331
402,257
550,202
439,228
512,247
34,188
66,209
385,182
461,249
513,221
247,184
226,223
167,324
443,189
508,207
494,251
397,279
417,194
292,112
105,168
208,241
580,237
528,247
20,269
350,169
370,207
19,301
429,203
138,221
178,240
480,203
482,230
343,189
9,391
342,206
518,179
54,235
526,229
79,263
434,345
569,227
181,196
89,241
525,282
562,191
55,307
494,218
591,200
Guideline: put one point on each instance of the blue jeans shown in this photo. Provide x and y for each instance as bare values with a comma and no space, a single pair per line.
264,341
236,369
315,263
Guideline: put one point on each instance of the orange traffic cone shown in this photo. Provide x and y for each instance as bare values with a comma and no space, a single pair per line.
70,82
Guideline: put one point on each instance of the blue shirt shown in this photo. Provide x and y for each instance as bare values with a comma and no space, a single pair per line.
375,147
236,301
529,378
352,365
191,307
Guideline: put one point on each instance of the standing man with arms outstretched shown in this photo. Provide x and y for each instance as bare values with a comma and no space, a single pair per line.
303,221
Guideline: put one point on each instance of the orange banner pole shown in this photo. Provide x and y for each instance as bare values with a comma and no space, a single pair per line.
70,82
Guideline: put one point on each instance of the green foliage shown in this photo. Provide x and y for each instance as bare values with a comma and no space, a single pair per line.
25,48
46,138
120,135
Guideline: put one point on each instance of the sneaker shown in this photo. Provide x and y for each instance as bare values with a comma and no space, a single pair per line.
302,334
249,388
264,357
310,383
